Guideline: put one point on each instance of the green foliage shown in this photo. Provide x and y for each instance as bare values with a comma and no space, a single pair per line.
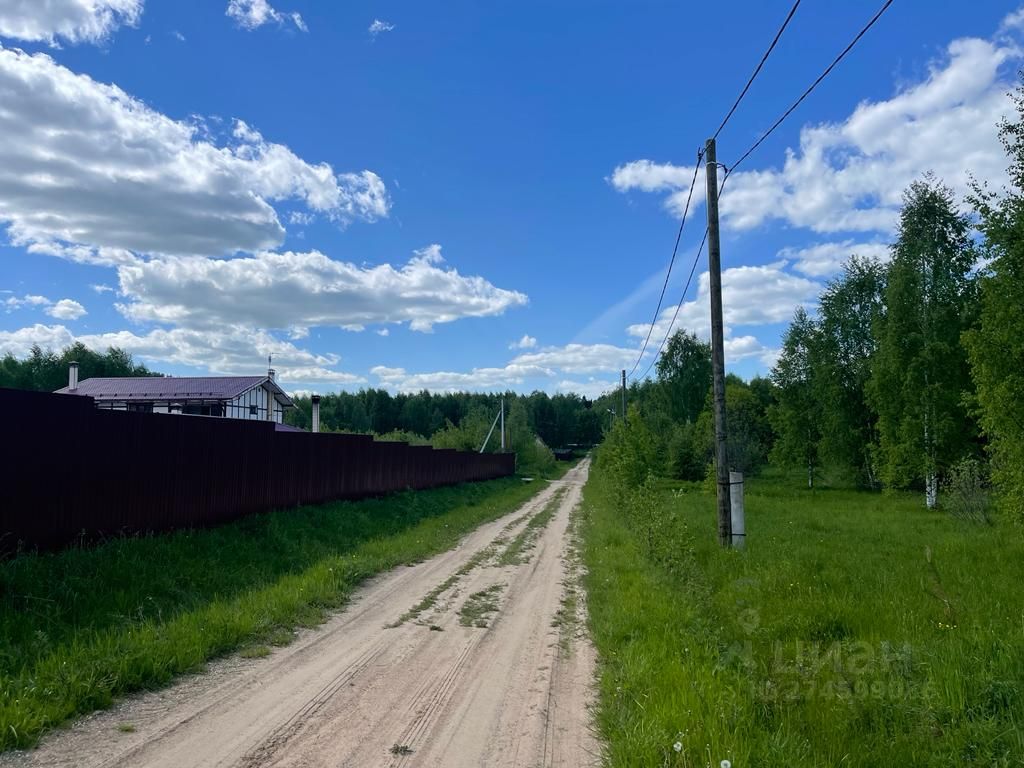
967,496
398,436
856,629
920,374
685,453
629,452
563,419
84,626
558,420
470,433
47,371
684,373
995,346
748,434
796,416
850,309
533,457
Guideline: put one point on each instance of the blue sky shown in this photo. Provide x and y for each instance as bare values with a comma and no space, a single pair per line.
471,195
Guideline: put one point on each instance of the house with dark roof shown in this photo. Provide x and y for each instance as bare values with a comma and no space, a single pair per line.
234,397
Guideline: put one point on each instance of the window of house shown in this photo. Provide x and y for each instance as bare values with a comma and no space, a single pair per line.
205,410
252,410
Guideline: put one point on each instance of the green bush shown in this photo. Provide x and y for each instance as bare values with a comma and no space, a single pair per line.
966,493
629,453
685,457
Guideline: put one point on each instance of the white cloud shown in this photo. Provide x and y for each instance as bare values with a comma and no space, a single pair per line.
502,378
850,176
751,296
178,36
591,388
825,259
101,288
742,347
648,176
378,26
383,332
579,358
1014,20
545,366
19,342
71,21
284,290
161,187
252,14
527,342
66,309
14,302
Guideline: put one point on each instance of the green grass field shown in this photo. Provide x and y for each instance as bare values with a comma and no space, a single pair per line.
82,626
855,630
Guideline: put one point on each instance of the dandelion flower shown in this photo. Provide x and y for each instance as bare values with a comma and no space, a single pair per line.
678,746
726,764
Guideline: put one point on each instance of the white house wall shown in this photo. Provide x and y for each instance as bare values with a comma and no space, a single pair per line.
240,407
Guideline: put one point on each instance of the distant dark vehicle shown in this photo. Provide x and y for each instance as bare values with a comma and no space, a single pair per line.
571,451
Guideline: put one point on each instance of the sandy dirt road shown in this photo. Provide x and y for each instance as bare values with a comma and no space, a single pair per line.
476,657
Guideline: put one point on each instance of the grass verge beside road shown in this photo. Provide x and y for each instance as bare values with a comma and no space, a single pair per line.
83,626
856,630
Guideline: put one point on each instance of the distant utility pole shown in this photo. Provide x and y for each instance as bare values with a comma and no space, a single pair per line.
717,352
623,393
503,425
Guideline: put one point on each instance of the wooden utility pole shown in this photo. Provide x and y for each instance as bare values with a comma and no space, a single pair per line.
624,393
717,351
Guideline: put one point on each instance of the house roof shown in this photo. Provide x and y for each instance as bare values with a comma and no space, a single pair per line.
183,388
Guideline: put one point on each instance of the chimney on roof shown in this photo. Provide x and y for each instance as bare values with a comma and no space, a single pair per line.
272,374
72,376
316,412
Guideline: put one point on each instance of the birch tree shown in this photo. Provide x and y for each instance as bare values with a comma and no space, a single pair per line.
849,310
920,372
796,416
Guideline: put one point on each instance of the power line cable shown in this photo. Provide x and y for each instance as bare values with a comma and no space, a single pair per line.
743,157
813,85
671,263
759,66
700,154
675,315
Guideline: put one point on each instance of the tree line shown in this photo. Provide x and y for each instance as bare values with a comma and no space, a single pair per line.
909,375
46,371
559,420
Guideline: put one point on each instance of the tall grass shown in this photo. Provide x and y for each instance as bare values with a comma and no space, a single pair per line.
83,626
855,630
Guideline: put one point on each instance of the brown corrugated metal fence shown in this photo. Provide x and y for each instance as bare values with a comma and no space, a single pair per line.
70,472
